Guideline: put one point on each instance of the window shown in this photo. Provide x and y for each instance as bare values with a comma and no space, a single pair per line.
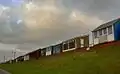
95,34
65,46
42,52
48,49
110,30
105,31
100,32
72,44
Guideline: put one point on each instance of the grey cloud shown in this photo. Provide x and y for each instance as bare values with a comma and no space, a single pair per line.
104,9
60,27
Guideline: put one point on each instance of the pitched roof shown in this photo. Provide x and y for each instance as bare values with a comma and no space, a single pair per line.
106,24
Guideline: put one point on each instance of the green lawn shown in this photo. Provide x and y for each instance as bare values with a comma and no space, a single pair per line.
102,61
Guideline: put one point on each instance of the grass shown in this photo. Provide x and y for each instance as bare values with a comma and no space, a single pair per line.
100,61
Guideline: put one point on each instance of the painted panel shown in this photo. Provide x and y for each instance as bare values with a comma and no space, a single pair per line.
48,51
26,57
43,52
86,41
117,30
96,41
103,39
110,37
82,42
57,49
90,39
77,42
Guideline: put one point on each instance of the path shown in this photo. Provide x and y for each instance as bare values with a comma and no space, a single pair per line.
3,72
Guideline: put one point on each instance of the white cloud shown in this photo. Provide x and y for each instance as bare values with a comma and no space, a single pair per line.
77,15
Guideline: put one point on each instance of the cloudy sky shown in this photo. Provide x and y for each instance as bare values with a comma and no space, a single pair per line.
29,24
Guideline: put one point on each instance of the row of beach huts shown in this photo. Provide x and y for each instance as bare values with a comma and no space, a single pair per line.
107,32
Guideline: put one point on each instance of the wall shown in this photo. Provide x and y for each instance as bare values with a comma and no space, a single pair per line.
49,51
26,57
103,39
57,49
43,52
85,41
117,30
34,55
77,42
111,36
96,41
90,39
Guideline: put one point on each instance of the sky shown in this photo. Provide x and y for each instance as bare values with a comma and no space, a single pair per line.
26,25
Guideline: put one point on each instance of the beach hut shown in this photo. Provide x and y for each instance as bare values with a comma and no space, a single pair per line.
82,41
75,43
107,32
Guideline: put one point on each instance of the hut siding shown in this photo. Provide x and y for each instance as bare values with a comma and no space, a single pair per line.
48,51
43,52
34,55
77,43
57,49
26,57
117,31
111,36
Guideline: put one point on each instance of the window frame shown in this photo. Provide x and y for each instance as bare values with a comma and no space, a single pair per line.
100,32
105,31
95,34
110,30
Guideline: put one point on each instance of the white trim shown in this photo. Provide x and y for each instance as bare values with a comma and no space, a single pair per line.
110,37
76,44
69,50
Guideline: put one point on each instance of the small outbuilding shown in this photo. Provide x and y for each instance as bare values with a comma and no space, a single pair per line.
75,43
107,32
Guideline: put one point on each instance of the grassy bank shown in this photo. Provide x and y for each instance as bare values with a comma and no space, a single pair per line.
100,61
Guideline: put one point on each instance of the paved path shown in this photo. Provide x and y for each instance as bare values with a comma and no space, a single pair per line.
3,72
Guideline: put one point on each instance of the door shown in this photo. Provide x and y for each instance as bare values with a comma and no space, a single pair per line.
117,31
82,42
